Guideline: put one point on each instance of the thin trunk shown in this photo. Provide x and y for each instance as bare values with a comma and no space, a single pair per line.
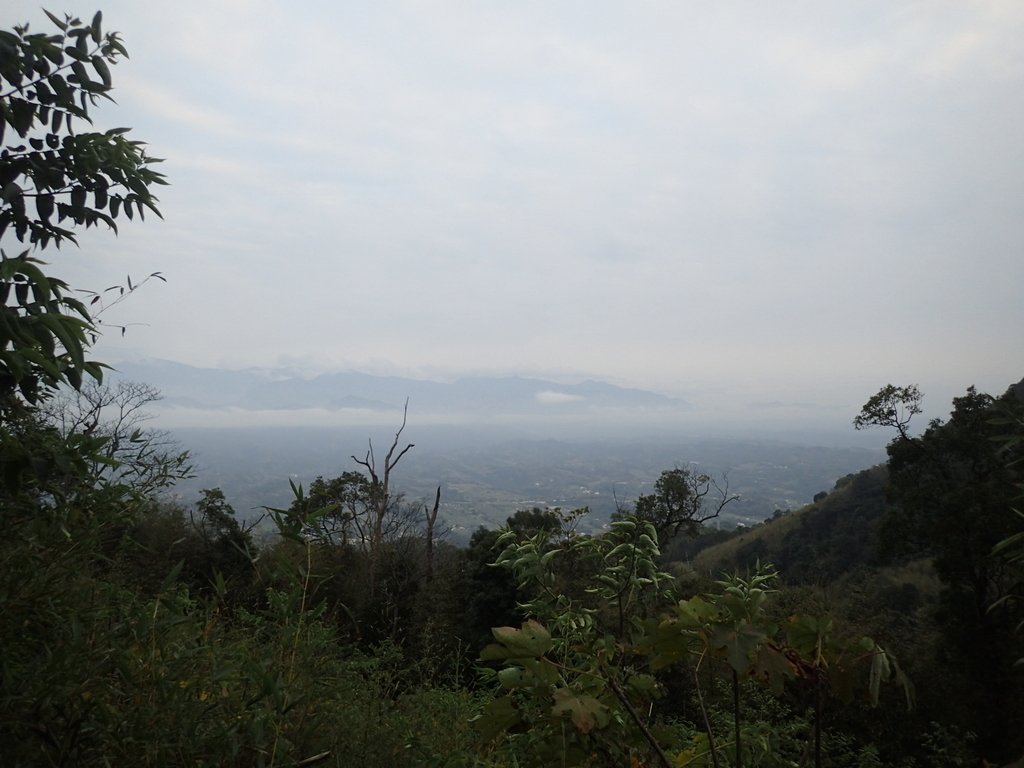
818,706
736,717
431,519
631,710
381,490
704,712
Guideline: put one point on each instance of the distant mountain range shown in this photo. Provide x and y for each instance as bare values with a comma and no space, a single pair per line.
185,386
494,444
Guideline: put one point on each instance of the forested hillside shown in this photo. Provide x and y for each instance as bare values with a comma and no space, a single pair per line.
909,551
880,626
836,535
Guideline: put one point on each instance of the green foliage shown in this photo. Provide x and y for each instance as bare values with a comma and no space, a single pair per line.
582,678
49,82
681,502
42,470
892,407
817,544
568,687
43,332
486,594
343,503
98,674
1010,550
535,520
951,492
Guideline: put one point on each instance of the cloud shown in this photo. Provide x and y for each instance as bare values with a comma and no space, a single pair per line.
657,194
169,105
548,397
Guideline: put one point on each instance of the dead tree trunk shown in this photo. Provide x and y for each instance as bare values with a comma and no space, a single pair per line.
381,502
431,519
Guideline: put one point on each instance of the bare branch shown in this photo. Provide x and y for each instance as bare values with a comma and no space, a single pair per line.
369,462
724,497
390,464
144,458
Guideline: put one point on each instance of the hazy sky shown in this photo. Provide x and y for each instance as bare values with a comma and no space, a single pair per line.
784,202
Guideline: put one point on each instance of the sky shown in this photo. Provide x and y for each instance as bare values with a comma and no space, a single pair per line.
779,206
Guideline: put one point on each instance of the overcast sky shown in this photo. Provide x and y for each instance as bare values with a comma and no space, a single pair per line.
786,202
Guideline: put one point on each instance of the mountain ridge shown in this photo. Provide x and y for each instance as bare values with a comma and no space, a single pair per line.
186,386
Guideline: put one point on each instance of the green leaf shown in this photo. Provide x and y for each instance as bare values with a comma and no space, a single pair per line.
22,115
69,332
642,684
11,192
805,633
59,24
78,197
514,677
586,712
773,668
78,68
739,645
532,641
44,206
494,652
498,716
542,671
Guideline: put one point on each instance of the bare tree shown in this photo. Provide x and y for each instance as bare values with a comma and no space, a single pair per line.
144,458
382,504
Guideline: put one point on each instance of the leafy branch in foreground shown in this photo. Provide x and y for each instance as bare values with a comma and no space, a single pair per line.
48,82
52,178
576,680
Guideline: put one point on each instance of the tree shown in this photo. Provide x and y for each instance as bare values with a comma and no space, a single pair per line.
343,501
951,493
1011,549
48,87
527,522
52,178
577,683
682,500
383,505
430,513
227,545
133,454
891,407
51,174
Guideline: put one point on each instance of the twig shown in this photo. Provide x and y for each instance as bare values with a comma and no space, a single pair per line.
703,710
621,694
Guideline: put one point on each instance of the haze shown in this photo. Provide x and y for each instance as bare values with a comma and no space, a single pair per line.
752,206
